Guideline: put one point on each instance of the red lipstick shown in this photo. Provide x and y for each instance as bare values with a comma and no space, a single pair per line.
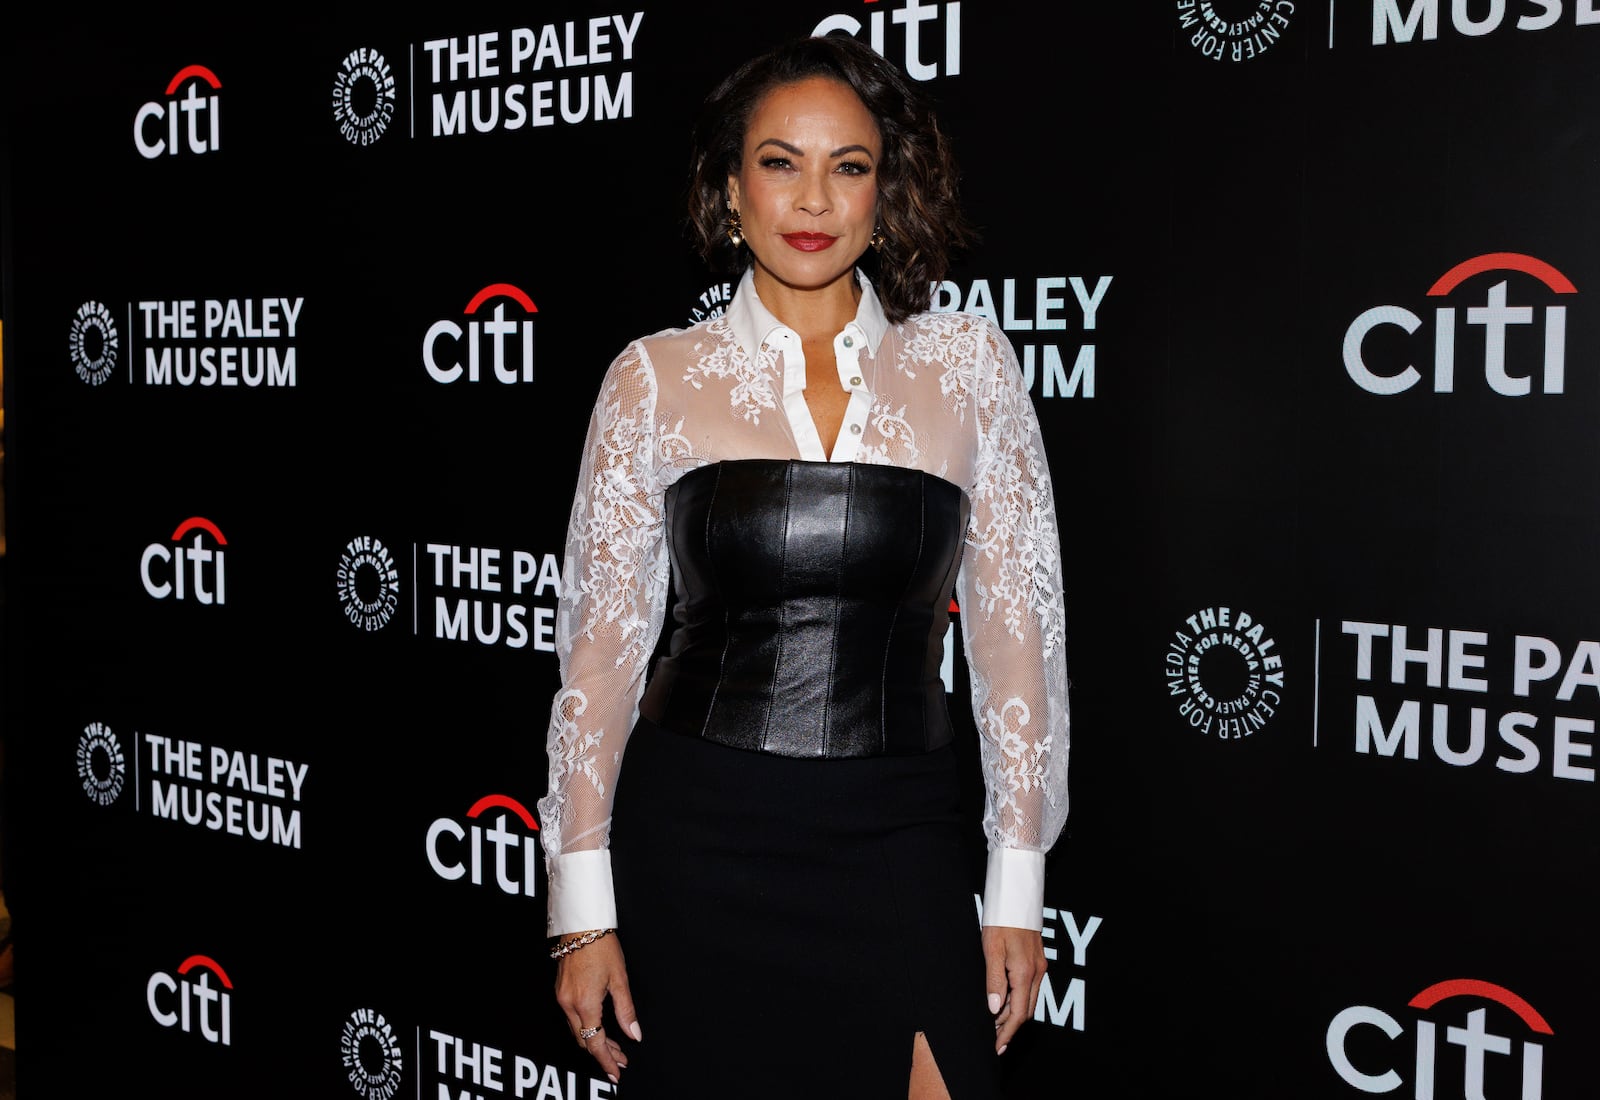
809,242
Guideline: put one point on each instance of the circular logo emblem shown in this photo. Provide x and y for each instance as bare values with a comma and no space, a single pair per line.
369,583
363,96
101,767
371,1055
712,302
1224,672
1232,30
93,343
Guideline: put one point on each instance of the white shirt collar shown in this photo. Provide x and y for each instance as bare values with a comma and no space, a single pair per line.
753,324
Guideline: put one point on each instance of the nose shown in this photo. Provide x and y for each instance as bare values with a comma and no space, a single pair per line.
813,196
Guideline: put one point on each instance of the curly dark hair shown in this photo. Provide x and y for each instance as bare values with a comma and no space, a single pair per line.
918,205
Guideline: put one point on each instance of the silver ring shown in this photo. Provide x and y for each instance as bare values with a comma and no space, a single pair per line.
588,1033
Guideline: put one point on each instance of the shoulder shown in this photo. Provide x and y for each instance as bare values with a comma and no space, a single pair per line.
967,341
954,325
631,375
682,343
667,350
642,352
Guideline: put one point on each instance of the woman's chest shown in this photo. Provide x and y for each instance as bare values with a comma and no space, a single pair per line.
878,414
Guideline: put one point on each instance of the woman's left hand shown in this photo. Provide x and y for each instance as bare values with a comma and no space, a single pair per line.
1014,964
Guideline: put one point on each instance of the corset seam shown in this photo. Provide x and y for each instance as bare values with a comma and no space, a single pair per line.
838,596
783,604
722,661
894,620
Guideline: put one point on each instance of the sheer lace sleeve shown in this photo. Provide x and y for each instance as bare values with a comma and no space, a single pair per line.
1013,622
613,594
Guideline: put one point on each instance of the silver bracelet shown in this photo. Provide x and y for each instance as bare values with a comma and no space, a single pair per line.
567,947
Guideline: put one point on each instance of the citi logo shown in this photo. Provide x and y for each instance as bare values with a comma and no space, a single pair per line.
1476,1042
456,852
1521,342
1403,20
158,129
193,1003
508,340
912,15
193,572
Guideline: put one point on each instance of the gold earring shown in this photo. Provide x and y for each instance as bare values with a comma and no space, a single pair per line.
878,240
735,229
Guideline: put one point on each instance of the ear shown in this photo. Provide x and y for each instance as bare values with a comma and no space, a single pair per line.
733,191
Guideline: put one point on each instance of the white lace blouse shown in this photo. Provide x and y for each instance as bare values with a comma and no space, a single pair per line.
939,392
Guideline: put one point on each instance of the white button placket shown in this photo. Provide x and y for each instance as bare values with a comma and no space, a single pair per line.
801,426
847,350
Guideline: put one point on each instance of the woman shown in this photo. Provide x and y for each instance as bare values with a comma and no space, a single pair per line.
815,474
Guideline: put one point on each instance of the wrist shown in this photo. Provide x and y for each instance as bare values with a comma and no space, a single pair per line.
569,942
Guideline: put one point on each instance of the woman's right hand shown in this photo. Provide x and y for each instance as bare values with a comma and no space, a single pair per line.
584,978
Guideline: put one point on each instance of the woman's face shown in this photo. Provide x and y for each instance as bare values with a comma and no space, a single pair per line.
807,187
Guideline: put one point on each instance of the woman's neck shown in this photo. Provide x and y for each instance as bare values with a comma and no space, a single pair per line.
816,314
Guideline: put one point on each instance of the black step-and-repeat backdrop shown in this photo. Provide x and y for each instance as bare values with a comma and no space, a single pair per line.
303,322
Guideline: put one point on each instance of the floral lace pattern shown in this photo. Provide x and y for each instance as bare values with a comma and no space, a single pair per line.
947,397
722,360
895,430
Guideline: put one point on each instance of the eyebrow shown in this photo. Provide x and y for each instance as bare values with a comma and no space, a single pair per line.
796,151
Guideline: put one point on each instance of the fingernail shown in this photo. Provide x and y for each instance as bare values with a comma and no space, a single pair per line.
612,1078
994,1002
1002,1050
633,1029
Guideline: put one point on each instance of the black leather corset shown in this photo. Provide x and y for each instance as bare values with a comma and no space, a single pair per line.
812,603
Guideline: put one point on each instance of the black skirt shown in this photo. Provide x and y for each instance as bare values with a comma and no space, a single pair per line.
790,924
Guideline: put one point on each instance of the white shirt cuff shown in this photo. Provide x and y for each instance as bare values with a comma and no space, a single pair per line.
1013,889
581,896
